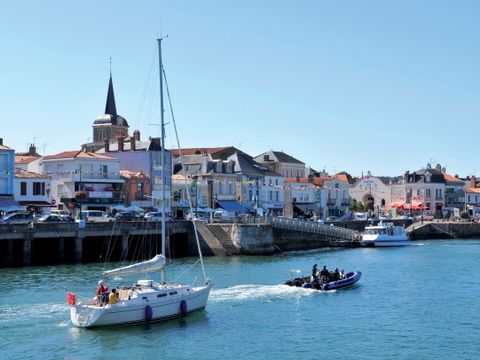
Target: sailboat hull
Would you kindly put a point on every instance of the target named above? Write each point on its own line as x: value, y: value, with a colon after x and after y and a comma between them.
x: 164, y: 304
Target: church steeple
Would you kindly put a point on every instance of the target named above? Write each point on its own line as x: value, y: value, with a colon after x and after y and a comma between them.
x: 110, y: 107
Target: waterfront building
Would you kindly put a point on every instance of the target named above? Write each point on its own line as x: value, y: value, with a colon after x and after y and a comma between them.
x: 7, y: 169
x: 299, y: 197
x: 138, y: 156
x: 22, y: 159
x: 211, y: 182
x: 283, y: 164
x: 454, y: 192
x: 332, y: 195
x: 32, y: 191
x: 258, y: 187
x: 425, y: 189
x: 137, y: 189
x: 378, y: 192
x: 7, y: 178
x: 90, y: 180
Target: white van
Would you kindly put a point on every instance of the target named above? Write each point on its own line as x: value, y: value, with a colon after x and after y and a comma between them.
x: 92, y: 215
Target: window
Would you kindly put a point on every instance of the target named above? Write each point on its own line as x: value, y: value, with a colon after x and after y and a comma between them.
x: 103, y: 171
x: 23, y: 188
x: 270, y: 195
x: 276, y: 181
x: 157, y: 182
x: 427, y: 193
x: 38, y: 188
x: 277, y: 196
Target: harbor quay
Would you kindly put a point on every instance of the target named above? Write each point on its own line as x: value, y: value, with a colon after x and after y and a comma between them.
x: 66, y: 243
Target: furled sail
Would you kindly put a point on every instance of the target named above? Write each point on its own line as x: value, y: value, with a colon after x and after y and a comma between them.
x: 155, y: 264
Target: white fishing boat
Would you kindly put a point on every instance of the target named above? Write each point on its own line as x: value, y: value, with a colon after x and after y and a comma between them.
x: 145, y: 300
x: 385, y: 234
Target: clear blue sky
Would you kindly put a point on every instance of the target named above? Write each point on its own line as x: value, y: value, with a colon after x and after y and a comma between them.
x: 384, y: 86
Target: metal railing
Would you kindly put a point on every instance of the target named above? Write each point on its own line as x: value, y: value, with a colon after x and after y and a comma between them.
x: 316, y: 228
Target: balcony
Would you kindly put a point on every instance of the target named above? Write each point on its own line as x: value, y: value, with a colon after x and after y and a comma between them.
x: 92, y: 197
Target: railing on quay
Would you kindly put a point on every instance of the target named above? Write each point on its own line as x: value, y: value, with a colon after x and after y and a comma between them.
x: 316, y: 228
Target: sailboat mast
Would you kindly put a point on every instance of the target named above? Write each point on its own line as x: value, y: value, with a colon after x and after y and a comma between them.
x: 162, y: 151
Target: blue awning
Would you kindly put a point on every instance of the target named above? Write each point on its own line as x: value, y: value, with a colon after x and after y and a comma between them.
x: 8, y: 204
x: 231, y: 205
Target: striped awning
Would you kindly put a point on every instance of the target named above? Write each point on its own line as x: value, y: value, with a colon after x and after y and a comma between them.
x: 8, y: 204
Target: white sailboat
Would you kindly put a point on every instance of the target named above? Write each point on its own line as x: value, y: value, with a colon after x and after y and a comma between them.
x: 146, y: 300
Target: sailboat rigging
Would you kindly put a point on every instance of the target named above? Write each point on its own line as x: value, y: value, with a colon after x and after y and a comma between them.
x: 146, y: 300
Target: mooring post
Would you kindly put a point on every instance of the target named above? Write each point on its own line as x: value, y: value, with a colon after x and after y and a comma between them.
x: 9, y: 257
x: 78, y: 249
x: 27, y: 252
x: 61, y: 249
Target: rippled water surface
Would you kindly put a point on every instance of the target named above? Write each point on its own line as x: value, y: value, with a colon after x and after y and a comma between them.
x: 414, y: 302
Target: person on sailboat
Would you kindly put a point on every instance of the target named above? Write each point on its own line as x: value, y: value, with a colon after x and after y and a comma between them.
x: 101, y: 290
x: 112, y: 298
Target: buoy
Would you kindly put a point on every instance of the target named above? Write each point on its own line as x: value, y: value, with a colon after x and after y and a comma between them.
x: 183, y: 308
x: 148, y: 313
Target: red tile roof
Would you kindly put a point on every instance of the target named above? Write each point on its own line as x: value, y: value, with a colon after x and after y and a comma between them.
x: 132, y: 174
x: 3, y: 147
x: 78, y: 154
x: 21, y: 159
x: 19, y: 173
x: 449, y: 177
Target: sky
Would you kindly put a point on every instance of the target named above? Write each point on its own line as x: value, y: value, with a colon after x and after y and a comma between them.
x: 357, y: 86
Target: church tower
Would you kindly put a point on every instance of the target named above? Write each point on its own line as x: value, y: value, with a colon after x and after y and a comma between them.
x: 109, y: 126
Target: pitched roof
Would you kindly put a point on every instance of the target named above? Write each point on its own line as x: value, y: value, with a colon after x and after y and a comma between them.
x: 280, y: 156
x: 197, y: 151
x: 20, y: 159
x: 449, y: 177
x: 77, y: 154
x: 296, y: 180
x: 20, y: 173
x: 133, y: 174
x: 473, y: 190
x: 3, y: 147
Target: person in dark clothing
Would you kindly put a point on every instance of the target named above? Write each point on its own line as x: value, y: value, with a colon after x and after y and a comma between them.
x: 324, y: 273
x: 336, y: 274
x: 314, y: 272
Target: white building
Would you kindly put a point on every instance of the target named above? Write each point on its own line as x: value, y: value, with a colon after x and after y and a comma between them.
x: 92, y: 180
x: 33, y: 190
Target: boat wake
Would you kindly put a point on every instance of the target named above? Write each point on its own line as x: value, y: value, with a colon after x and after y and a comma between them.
x: 260, y: 292
x: 29, y: 313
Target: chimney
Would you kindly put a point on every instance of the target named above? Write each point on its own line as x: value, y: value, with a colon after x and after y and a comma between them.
x: 133, y: 144
x: 1, y: 141
x: 438, y: 168
x: 136, y: 135
x: 32, y: 150
x: 107, y: 145
x: 120, y: 143
x: 473, y: 182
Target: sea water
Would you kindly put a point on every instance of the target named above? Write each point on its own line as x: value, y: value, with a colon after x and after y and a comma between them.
x: 417, y: 302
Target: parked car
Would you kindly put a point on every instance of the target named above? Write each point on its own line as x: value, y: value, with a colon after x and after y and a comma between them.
x: 50, y: 218
x: 17, y: 218
x: 156, y: 216
x: 64, y: 214
x: 332, y: 218
x: 127, y: 216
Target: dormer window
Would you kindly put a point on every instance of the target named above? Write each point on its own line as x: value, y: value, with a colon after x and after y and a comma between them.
x: 428, y: 177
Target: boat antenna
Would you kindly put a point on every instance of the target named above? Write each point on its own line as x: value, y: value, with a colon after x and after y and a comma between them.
x: 162, y: 152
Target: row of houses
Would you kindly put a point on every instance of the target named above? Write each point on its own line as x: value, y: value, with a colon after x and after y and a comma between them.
x: 118, y: 170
